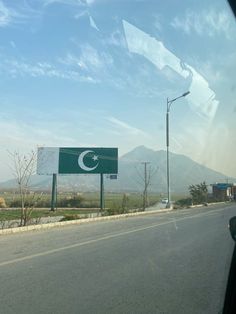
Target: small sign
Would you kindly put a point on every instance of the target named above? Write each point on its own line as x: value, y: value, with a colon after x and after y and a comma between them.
x: 113, y: 176
x: 223, y: 186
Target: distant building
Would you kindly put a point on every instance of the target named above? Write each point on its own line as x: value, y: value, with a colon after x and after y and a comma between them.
x: 224, y: 191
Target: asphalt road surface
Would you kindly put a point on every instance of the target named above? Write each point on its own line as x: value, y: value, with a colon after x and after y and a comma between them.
x: 175, y: 262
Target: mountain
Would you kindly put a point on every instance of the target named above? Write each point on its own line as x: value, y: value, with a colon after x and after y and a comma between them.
x: 183, y: 172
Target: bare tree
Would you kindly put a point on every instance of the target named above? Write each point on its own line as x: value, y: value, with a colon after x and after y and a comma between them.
x: 23, y: 167
x: 145, y: 181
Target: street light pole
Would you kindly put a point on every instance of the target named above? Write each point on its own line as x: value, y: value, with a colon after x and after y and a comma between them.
x: 167, y: 154
x: 168, y: 105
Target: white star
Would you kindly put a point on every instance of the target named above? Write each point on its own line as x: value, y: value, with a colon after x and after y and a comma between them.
x: 95, y: 157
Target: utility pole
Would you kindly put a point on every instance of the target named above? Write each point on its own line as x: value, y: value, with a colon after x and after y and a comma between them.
x: 146, y: 182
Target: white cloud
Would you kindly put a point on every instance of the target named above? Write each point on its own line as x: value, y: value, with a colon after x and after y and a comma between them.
x: 89, y: 59
x: 21, y: 13
x: 19, y: 134
x: 126, y: 127
x: 72, y: 60
x: 157, y: 22
x: 116, y: 38
x: 7, y: 15
x: 208, y: 23
x: 21, y: 68
x: 81, y: 14
x: 69, y: 2
x: 92, y: 23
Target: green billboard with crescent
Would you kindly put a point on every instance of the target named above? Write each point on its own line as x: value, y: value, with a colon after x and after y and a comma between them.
x: 77, y: 160
x: 88, y: 160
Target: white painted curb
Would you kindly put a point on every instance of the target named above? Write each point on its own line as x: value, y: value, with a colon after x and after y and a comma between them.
x: 208, y: 204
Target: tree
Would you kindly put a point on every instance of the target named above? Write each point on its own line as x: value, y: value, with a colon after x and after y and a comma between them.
x: 145, y: 179
x: 23, y: 167
x: 198, y: 192
x: 124, y: 204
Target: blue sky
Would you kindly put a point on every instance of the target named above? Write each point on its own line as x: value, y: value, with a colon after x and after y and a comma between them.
x: 98, y: 72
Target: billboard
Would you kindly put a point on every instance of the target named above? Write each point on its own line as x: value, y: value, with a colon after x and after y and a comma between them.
x: 77, y: 160
x: 223, y: 186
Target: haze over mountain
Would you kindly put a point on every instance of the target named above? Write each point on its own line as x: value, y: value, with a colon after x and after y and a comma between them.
x: 183, y: 172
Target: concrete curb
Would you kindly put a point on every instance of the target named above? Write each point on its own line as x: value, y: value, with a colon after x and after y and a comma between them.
x: 77, y: 222
x: 208, y: 204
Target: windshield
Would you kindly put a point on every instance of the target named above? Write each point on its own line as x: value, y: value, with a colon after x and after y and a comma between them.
x: 114, y: 107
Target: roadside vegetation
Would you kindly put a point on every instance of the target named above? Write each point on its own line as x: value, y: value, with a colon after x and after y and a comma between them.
x: 198, y: 195
x: 70, y: 205
x: 23, y: 166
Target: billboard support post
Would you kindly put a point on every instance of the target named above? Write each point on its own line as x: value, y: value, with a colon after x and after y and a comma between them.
x: 54, y: 192
x: 101, y: 192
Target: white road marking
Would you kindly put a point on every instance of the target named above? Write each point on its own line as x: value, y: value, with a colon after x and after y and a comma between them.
x: 111, y: 236
x: 175, y: 224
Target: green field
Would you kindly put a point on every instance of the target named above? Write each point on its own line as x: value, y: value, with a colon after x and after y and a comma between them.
x: 15, y: 214
x: 74, y: 204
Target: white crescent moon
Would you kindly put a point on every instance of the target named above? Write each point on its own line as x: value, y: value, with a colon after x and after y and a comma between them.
x: 81, y: 161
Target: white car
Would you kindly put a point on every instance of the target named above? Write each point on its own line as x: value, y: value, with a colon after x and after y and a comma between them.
x: 164, y: 201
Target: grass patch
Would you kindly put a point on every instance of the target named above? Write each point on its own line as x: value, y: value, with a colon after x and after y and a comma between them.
x: 81, y: 200
x: 14, y: 214
x: 75, y: 204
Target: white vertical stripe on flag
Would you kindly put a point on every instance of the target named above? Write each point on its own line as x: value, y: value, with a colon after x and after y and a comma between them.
x: 47, y: 160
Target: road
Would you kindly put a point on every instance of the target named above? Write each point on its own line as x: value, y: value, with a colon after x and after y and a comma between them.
x: 174, y: 262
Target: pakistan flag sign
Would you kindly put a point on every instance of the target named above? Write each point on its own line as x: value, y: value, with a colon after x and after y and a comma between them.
x: 75, y: 160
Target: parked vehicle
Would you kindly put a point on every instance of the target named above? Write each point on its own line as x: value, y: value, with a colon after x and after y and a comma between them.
x: 164, y: 201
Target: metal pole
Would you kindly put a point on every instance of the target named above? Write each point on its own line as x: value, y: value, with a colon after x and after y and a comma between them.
x: 145, y: 163
x: 101, y: 192
x: 145, y: 178
x: 168, y: 105
x: 167, y: 157
x: 54, y: 191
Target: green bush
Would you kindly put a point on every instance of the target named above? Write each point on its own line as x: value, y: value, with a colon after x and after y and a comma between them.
x: 17, y: 203
x: 184, y: 202
x: 44, y: 203
x: 198, y: 193
x: 89, y: 204
x: 74, y: 201
x: 116, y: 208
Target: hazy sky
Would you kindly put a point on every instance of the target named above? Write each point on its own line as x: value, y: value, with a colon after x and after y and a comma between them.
x: 98, y: 73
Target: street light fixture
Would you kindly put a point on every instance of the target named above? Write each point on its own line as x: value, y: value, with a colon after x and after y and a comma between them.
x: 169, y: 103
